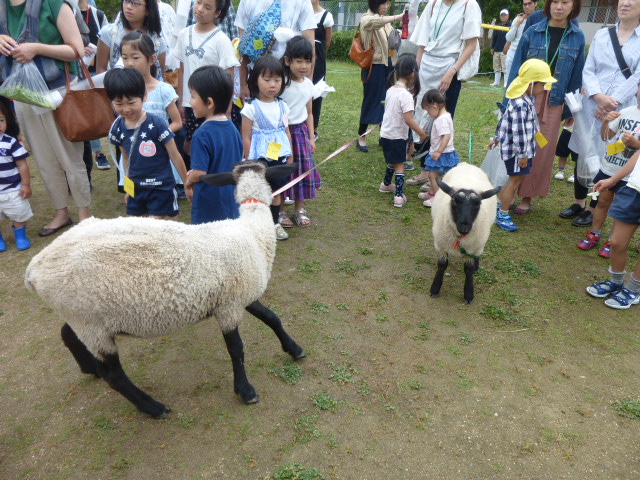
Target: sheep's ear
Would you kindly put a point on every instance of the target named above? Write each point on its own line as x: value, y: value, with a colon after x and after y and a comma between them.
x: 444, y: 187
x: 218, y: 179
x: 490, y: 193
x: 280, y: 171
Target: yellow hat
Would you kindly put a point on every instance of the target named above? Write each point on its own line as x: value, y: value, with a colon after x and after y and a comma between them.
x: 533, y: 70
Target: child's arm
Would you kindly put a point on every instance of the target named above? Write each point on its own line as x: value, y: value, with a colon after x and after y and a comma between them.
x: 444, y: 141
x: 619, y: 175
x: 413, y: 125
x: 312, y: 138
x: 290, y: 159
x: 630, y: 140
x: 605, y: 132
x: 25, y: 178
x: 247, y: 131
x: 174, y: 115
x: 180, y: 90
x: 176, y: 159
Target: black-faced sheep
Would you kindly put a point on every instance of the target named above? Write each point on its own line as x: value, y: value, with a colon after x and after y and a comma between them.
x: 463, y: 211
x: 155, y: 277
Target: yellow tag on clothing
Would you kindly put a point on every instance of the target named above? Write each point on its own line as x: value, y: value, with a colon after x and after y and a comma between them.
x: 615, y: 147
x: 258, y: 44
x: 129, y: 187
x: 273, y: 152
x: 541, y: 139
x: 239, y: 103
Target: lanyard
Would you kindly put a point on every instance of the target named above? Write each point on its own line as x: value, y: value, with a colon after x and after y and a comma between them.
x: 555, y: 55
x: 437, y: 29
x: 88, y: 10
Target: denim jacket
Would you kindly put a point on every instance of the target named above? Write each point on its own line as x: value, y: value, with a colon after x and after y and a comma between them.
x: 569, y: 65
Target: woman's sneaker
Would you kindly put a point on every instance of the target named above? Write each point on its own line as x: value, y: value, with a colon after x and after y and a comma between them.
x: 590, y: 241
x: 101, y: 162
x: 603, y: 289
x: 605, y: 252
x: 623, y: 299
x: 280, y: 233
x: 505, y: 222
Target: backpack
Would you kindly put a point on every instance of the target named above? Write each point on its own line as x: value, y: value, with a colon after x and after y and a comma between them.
x: 258, y: 39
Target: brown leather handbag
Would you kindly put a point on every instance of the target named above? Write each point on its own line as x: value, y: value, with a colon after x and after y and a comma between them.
x: 84, y: 114
x: 360, y: 55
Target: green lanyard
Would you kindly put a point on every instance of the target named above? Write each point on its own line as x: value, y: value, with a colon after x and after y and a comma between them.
x: 555, y: 55
x: 437, y: 29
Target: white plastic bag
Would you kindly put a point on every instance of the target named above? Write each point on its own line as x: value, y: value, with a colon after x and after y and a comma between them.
x: 494, y: 167
x: 588, y: 160
x: 26, y: 85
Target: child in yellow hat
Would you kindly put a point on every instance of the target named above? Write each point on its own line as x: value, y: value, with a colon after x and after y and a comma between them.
x: 518, y: 131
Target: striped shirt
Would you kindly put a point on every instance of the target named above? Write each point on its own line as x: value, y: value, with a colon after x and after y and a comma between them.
x: 517, y: 129
x: 10, y: 151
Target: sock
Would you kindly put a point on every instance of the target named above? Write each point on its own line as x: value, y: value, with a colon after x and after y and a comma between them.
x: 275, y: 211
x: 504, y: 212
x: 388, y: 175
x: 633, y: 284
x: 399, y: 184
x: 498, y: 77
x: 597, y: 232
x: 617, y: 277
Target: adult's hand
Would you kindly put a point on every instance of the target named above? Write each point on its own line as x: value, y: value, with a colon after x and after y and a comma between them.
x: 445, y: 83
x: 7, y: 44
x: 605, y: 102
x: 25, y: 52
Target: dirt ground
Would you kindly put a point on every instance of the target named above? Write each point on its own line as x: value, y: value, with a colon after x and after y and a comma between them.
x: 518, y: 385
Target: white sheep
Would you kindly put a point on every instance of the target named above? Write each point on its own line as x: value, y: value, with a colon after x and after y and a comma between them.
x: 147, y: 277
x: 463, y: 211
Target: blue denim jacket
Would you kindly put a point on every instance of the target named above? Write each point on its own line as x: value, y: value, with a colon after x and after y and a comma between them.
x: 568, y: 66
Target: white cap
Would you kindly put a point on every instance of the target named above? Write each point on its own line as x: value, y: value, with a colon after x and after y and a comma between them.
x: 503, y: 11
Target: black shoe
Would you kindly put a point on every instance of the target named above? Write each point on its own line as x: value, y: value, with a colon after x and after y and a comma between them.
x: 572, y: 211
x: 583, y: 220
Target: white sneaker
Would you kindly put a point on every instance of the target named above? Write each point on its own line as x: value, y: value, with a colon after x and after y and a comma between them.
x: 280, y: 233
x: 399, y: 201
x: 288, y: 201
x: 428, y: 202
x: 571, y: 179
x: 494, y: 84
x: 559, y: 175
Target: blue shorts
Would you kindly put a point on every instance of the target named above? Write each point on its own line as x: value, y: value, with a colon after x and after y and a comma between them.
x: 510, y: 165
x: 159, y: 203
x: 603, y: 176
x: 626, y: 206
x: 395, y: 151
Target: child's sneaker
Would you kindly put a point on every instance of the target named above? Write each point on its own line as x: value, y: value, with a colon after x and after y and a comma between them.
x: 623, y: 299
x: 408, y: 166
x: 428, y: 202
x: 3, y: 245
x: 559, y: 175
x: 425, y: 195
x: 280, y: 233
x: 391, y: 188
x: 288, y: 201
x: 603, y: 289
x: 590, y: 241
x: 605, y: 252
x: 505, y: 222
x: 101, y: 162
x: 571, y: 179
x: 399, y: 201
x: 426, y: 187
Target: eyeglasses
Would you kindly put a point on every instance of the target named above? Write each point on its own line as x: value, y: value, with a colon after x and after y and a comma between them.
x: 134, y: 4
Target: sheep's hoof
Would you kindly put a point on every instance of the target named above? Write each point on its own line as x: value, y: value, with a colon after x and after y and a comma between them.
x: 159, y: 411
x: 434, y: 294
x: 299, y: 355
x: 468, y: 301
x: 254, y: 399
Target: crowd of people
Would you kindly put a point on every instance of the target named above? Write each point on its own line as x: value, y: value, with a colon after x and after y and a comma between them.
x: 196, y: 98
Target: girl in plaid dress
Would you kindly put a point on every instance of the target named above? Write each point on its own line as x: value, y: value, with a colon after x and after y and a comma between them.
x: 298, y: 94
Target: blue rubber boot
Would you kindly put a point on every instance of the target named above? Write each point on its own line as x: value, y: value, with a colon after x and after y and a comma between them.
x: 3, y: 245
x: 22, y: 242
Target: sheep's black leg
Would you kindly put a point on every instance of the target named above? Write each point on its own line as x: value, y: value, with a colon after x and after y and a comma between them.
x: 241, y: 384
x: 443, y: 263
x: 86, y: 360
x: 469, y: 270
x: 111, y: 370
x: 270, y: 319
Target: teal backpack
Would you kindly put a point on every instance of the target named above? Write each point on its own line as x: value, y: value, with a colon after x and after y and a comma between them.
x: 258, y: 38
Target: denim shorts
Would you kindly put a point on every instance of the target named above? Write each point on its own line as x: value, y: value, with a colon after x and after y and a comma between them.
x: 159, y: 203
x: 626, y: 206
x: 603, y: 176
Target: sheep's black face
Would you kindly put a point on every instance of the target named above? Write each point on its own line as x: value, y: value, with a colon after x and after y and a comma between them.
x: 465, y: 205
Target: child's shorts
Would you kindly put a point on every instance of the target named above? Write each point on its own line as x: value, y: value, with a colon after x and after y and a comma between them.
x: 626, y: 206
x: 445, y: 163
x: 279, y: 182
x: 510, y: 165
x: 159, y: 203
x: 14, y: 207
x: 603, y: 176
x: 395, y: 151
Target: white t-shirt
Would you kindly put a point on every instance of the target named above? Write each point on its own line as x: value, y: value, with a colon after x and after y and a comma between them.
x: 270, y: 110
x: 628, y: 121
x: 218, y: 50
x: 297, y: 15
x: 398, y: 101
x: 446, y: 27
x: 328, y: 20
x: 442, y: 125
x: 297, y: 95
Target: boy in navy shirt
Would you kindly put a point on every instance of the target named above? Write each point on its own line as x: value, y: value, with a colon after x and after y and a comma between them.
x: 147, y: 147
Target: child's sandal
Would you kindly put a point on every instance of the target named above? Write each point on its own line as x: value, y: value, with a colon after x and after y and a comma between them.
x: 284, y: 220
x: 300, y: 216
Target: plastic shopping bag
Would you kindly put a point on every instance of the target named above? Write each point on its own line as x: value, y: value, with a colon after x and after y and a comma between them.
x: 25, y: 84
x: 494, y: 167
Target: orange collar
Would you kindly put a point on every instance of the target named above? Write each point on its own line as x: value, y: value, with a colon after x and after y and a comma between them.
x: 251, y: 200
